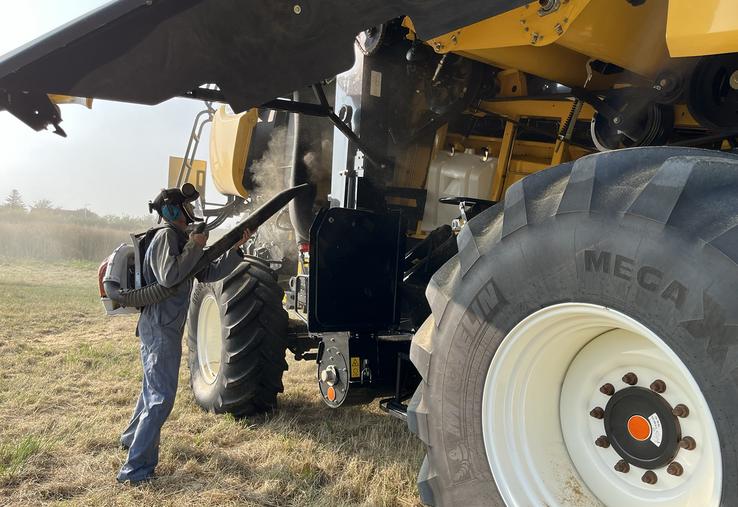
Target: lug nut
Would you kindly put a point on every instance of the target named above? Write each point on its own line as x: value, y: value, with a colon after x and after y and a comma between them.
x: 622, y: 466
x: 630, y: 378
x: 675, y: 468
x: 687, y: 443
x: 602, y: 441
x: 680, y: 410
x: 658, y: 386
x: 608, y: 389
x: 649, y: 477
x: 597, y: 413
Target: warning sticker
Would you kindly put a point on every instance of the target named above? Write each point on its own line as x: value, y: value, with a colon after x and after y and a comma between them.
x: 355, y: 370
x: 375, y: 85
x: 657, y: 432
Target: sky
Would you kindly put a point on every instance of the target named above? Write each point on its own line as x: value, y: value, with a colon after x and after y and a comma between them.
x: 115, y: 158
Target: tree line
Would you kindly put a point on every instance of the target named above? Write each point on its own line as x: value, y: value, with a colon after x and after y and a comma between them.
x: 45, y: 210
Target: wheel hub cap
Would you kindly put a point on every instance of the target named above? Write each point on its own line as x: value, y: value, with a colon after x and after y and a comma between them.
x: 641, y: 428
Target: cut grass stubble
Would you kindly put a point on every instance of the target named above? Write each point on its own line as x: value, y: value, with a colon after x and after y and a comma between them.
x: 69, y: 377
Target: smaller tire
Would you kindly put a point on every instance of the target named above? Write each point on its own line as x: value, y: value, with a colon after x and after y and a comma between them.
x: 237, y: 338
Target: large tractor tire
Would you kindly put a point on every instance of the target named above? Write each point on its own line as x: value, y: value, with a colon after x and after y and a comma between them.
x: 237, y: 338
x: 583, y: 344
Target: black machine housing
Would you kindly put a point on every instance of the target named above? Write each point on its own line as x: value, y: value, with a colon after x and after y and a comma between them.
x: 364, y: 291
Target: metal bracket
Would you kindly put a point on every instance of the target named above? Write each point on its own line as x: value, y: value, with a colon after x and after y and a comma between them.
x: 548, y: 7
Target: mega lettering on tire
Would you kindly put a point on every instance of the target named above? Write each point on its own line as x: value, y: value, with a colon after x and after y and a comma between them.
x: 597, y: 291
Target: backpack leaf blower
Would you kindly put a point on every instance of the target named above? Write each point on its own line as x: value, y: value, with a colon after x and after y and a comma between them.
x: 121, y: 299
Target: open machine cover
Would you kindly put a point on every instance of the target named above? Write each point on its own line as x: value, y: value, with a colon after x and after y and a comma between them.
x: 147, y: 51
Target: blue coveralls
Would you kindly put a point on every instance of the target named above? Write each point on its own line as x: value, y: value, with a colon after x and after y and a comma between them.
x: 168, y: 260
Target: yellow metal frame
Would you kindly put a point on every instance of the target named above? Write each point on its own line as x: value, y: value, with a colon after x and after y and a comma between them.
x: 644, y: 39
x: 704, y: 27
x: 67, y: 99
x: 516, y: 158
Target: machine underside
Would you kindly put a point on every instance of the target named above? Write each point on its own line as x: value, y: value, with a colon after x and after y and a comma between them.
x: 442, y: 103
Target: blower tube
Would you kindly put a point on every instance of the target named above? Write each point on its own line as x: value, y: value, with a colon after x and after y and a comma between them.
x: 156, y: 293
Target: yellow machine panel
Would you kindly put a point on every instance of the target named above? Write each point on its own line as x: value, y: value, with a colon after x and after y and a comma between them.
x: 704, y: 27
x: 558, y: 44
x: 66, y: 99
x: 197, y: 174
x: 230, y: 139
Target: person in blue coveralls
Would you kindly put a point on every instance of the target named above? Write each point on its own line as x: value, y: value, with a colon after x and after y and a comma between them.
x: 170, y: 256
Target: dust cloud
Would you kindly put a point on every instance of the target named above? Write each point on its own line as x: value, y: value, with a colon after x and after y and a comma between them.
x: 271, y: 175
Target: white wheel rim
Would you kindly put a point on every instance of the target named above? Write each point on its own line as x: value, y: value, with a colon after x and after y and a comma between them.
x: 209, y: 341
x: 541, y: 385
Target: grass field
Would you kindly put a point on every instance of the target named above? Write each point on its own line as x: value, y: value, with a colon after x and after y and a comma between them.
x: 69, y: 377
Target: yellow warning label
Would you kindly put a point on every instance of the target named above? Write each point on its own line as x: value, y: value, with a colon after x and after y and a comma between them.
x: 355, y: 371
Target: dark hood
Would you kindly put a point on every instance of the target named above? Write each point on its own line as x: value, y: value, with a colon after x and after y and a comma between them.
x: 147, y: 51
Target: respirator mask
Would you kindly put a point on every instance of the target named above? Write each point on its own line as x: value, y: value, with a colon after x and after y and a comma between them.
x: 172, y: 203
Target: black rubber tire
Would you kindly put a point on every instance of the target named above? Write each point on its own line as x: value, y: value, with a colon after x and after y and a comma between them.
x: 673, y: 209
x: 254, y: 334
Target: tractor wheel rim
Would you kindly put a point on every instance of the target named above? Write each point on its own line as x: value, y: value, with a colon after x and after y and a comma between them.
x: 209, y: 340
x: 539, y: 435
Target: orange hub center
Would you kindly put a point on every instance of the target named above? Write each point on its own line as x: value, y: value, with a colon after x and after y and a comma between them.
x: 331, y: 393
x: 639, y: 428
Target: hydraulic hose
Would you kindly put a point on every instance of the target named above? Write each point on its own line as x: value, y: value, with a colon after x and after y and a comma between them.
x: 156, y: 293
x: 308, y: 131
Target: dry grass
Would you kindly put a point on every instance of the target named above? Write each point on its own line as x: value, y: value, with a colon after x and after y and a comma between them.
x: 30, y: 239
x: 69, y: 377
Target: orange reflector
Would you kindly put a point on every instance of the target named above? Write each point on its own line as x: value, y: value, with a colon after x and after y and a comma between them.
x: 331, y: 394
x: 639, y: 428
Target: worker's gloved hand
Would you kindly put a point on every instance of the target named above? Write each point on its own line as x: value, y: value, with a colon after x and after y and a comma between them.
x: 246, y: 235
x: 200, y: 239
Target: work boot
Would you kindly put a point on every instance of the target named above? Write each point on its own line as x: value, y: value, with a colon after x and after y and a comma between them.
x: 132, y: 483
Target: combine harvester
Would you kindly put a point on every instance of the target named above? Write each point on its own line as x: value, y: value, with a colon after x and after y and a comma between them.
x: 521, y: 223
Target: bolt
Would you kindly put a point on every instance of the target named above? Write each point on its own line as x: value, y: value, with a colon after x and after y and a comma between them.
x: 607, y: 389
x: 630, y: 378
x: 597, y: 413
x: 602, y: 441
x: 454, y: 39
x: 617, y: 120
x: 535, y: 38
x: 622, y: 466
x: 649, y: 477
x: 687, y: 443
x: 438, y: 46
x: 675, y: 468
x: 558, y: 28
x: 547, y: 6
x: 734, y: 80
x: 680, y: 410
x: 658, y: 386
x: 297, y: 9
